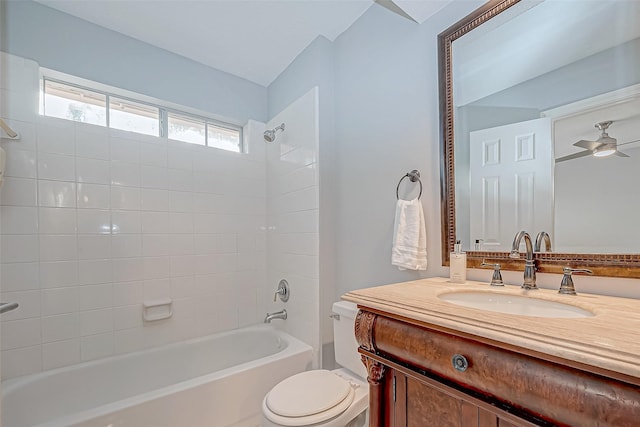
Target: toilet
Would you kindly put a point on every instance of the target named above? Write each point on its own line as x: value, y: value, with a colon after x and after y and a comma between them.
x: 323, y: 398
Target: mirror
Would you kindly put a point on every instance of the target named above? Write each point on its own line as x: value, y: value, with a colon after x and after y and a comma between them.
x: 526, y: 91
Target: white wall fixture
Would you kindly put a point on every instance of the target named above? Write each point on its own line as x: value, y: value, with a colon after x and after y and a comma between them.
x: 7, y: 129
x: 10, y: 134
x: 3, y: 163
x: 158, y: 309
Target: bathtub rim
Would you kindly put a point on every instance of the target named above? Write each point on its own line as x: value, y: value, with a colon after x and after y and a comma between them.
x: 293, y: 347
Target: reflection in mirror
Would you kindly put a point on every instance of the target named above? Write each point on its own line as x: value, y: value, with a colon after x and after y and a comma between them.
x: 527, y: 92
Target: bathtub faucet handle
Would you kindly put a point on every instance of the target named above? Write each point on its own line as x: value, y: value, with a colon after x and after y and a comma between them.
x: 283, y: 291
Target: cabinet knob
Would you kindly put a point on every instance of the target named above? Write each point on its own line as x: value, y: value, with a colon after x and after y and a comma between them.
x: 459, y: 362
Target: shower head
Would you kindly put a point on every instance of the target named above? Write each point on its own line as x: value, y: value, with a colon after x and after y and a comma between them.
x: 270, y: 135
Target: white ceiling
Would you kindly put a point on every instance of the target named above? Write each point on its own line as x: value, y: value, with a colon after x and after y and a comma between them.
x: 253, y: 39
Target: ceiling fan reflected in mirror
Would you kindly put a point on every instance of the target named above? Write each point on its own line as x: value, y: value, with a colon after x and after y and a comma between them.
x: 602, y: 147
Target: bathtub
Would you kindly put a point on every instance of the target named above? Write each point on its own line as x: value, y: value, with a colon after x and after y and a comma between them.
x: 214, y: 381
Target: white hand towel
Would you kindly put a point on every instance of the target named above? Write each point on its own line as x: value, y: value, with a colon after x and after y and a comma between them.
x: 409, y: 250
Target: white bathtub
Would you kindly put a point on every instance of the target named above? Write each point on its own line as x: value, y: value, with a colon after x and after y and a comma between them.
x: 213, y: 381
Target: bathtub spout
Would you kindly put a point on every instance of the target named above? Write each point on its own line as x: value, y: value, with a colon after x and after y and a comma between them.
x: 282, y: 314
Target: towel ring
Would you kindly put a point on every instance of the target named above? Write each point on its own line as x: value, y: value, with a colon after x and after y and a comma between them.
x: 413, y: 176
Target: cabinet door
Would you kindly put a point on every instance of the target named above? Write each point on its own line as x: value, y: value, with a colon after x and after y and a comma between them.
x: 424, y: 404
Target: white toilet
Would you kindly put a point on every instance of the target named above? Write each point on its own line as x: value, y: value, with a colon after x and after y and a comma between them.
x: 321, y: 398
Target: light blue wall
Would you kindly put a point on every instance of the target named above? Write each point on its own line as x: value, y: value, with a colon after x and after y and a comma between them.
x: 385, y: 104
x: 387, y: 124
x: 606, y: 71
x: 70, y: 45
x: 385, y: 129
x: 313, y: 67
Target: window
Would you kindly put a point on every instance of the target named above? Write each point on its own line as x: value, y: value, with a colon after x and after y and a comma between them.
x: 98, y: 107
x: 224, y: 138
x: 201, y: 132
x: 186, y: 129
x: 134, y: 117
x: 74, y: 103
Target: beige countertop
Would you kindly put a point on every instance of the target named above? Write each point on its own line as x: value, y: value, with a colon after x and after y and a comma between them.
x: 608, y: 340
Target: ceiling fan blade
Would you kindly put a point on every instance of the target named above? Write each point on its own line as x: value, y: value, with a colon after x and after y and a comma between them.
x: 620, y: 154
x: 629, y: 142
x: 588, y: 145
x: 573, y: 156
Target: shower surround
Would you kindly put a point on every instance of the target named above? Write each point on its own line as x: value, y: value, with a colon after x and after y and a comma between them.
x: 96, y: 221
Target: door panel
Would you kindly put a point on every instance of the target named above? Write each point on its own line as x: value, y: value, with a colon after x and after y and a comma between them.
x: 429, y: 407
x: 511, y: 182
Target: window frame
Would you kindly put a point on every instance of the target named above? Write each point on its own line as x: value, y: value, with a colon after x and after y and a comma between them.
x: 164, y: 109
x: 43, y: 100
x: 208, y: 121
x: 132, y: 101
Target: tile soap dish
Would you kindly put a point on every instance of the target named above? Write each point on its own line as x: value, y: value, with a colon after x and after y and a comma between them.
x: 157, y: 309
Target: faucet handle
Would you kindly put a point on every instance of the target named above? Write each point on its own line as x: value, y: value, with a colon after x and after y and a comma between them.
x: 496, y: 279
x: 283, y: 291
x: 569, y: 270
x: 566, y: 285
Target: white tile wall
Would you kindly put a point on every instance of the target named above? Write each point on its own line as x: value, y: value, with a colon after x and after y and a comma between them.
x: 94, y: 221
x: 92, y: 171
x: 56, y: 194
x: 19, y: 192
x: 56, y: 274
x: 19, y: 276
x: 23, y: 163
x: 293, y: 235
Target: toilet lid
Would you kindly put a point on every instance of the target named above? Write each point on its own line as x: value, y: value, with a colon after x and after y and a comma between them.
x: 308, y: 393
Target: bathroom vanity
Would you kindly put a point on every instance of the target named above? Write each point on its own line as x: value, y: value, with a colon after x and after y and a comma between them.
x: 443, y: 354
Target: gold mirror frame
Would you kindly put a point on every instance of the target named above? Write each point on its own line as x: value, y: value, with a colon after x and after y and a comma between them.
x: 612, y: 265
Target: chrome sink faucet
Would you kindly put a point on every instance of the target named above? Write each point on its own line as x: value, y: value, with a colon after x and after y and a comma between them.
x: 542, y: 236
x: 529, y: 263
x: 282, y: 314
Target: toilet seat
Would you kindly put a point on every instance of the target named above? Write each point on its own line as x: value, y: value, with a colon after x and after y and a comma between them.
x: 308, y: 398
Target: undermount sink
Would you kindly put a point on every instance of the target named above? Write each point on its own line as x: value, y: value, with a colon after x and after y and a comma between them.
x: 515, y: 304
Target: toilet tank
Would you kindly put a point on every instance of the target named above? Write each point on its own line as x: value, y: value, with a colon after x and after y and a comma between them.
x: 346, y: 346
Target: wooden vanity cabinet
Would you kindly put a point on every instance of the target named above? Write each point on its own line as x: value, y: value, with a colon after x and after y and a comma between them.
x: 417, y: 402
x: 414, y: 383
